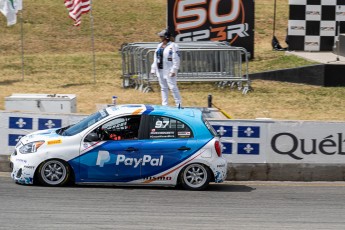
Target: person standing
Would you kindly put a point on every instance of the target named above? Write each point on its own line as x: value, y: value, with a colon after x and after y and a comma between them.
x: 165, y: 65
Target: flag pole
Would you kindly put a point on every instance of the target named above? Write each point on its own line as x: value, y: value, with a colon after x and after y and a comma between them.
x: 92, y: 44
x: 274, y: 18
x: 22, y: 42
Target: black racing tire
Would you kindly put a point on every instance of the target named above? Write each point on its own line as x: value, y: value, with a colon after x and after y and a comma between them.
x: 54, y: 172
x: 195, y: 177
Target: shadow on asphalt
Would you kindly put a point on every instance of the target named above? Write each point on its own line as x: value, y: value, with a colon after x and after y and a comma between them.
x: 210, y: 188
x: 229, y: 188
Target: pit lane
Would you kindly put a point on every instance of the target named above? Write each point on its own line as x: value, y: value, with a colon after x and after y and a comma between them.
x: 232, y: 205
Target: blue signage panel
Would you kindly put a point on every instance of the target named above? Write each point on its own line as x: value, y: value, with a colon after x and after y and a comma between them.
x: 20, y: 123
x: 223, y: 130
x: 46, y: 123
x: 227, y: 148
x: 14, y: 138
x: 248, y: 148
x: 249, y: 131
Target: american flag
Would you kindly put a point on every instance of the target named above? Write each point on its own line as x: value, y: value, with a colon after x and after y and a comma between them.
x: 76, y: 8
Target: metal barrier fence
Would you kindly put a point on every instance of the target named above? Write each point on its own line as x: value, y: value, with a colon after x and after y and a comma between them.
x: 200, y: 62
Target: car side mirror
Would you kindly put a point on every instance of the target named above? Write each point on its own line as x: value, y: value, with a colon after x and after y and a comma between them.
x: 91, y: 137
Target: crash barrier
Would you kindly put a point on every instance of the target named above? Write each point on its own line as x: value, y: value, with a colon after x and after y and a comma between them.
x: 255, y: 149
x: 200, y: 62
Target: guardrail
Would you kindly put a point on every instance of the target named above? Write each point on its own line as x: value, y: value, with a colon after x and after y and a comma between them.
x: 200, y: 62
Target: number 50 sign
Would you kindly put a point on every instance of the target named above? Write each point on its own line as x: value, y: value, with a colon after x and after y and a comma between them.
x: 215, y: 20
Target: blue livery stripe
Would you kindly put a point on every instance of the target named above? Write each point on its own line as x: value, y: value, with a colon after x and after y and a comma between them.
x: 149, y: 109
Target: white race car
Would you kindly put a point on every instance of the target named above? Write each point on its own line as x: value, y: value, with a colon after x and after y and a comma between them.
x: 125, y: 144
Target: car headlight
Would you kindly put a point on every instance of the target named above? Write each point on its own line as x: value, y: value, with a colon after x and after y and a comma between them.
x: 31, y: 147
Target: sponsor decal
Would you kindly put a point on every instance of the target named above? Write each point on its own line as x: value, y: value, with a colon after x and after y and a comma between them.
x: 54, y: 142
x: 29, y: 167
x: 162, y: 133
x: 183, y: 133
x: 135, y: 162
x: 310, y: 12
x: 298, y: 148
x: 311, y: 43
x: 297, y: 28
x: 329, y: 28
x: 153, y: 178
x: 104, y: 157
x: 21, y: 160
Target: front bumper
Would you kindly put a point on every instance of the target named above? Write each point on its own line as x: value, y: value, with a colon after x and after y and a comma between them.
x: 22, y: 170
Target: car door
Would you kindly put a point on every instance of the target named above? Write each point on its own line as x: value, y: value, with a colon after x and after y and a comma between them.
x: 116, y: 156
x: 168, y: 143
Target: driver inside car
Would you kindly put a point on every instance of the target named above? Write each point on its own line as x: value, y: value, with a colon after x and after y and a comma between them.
x: 120, y: 129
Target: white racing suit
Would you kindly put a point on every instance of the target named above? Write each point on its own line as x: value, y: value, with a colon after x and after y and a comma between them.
x: 171, y: 64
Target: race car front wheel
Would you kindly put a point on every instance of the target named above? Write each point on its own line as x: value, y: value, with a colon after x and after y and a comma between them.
x: 54, y: 173
x: 195, y: 177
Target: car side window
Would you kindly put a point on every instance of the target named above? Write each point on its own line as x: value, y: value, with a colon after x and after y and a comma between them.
x: 161, y: 127
x: 121, y: 128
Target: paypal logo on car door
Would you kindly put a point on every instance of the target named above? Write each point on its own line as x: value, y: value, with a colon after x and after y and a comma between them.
x: 99, y: 164
x: 128, y: 160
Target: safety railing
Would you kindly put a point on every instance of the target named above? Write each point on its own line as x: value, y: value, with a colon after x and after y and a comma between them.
x: 200, y: 62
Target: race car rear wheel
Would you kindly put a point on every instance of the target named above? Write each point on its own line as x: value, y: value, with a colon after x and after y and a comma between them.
x: 54, y: 173
x: 195, y: 177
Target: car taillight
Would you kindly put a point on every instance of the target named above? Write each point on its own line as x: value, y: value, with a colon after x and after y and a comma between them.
x: 218, y: 146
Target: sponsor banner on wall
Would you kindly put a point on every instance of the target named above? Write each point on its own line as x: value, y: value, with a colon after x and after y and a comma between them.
x: 306, y: 142
x: 213, y: 20
x: 282, y: 141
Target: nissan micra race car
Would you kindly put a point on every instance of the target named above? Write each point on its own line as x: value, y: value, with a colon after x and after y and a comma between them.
x: 124, y: 145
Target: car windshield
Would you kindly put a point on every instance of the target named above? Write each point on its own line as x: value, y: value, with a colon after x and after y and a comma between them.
x: 83, y: 124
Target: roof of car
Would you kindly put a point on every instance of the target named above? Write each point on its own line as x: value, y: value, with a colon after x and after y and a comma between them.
x: 155, y: 109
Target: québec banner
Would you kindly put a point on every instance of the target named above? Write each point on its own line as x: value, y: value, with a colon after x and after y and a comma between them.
x: 213, y: 20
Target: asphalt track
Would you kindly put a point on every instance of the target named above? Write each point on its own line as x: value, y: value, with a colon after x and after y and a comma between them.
x: 232, y: 205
